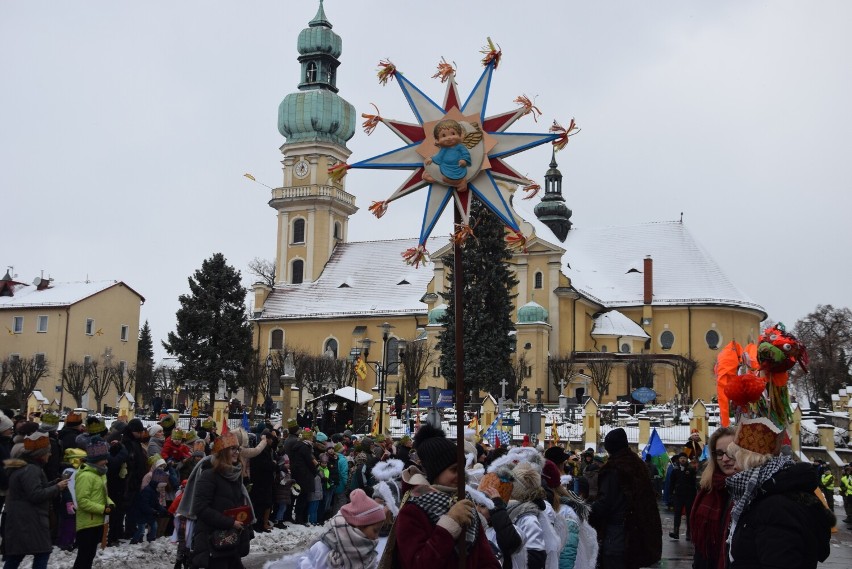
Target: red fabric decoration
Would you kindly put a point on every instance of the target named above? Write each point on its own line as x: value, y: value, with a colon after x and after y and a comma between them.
x: 745, y: 389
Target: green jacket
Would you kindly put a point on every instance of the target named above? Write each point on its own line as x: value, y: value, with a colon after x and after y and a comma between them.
x: 91, y: 493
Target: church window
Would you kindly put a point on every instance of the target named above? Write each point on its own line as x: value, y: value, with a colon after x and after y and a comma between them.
x: 667, y: 340
x: 539, y: 280
x: 625, y: 348
x: 393, y: 356
x: 330, y: 348
x: 338, y: 231
x: 276, y: 340
x: 604, y: 349
x: 299, y: 231
x: 311, y: 72
x: 712, y: 339
x: 297, y: 272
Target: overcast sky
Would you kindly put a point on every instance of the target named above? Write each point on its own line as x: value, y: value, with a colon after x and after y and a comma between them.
x: 126, y: 127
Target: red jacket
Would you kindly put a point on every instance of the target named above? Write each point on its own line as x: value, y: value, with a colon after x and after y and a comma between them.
x: 175, y: 451
x: 432, y: 547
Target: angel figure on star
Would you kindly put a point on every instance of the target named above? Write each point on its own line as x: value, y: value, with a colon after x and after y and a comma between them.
x: 453, y: 158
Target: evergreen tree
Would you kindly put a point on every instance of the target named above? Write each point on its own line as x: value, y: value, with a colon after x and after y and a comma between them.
x: 488, y: 283
x: 213, y: 337
x: 145, y: 365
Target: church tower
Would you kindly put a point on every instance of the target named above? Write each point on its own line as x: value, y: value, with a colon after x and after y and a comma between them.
x: 313, y: 211
x: 551, y: 210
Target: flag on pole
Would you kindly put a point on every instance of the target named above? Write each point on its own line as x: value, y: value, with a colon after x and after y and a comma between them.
x: 245, y: 421
x: 554, y: 434
x: 360, y: 368
x: 225, y: 430
x: 375, y: 430
x: 655, y: 446
x: 705, y: 454
x: 490, y: 433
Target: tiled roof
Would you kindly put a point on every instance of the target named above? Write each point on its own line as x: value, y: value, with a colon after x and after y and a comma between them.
x: 605, y: 264
x: 614, y: 323
x: 58, y: 294
x: 378, y: 282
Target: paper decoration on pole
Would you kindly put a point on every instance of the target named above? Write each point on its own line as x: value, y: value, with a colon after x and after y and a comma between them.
x: 472, y: 148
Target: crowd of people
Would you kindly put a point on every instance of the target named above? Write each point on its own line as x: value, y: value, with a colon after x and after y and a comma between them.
x: 393, y: 503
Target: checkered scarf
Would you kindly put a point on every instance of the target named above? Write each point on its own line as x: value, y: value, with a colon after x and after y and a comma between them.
x: 350, y: 548
x: 437, y: 501
x: 745, y: 486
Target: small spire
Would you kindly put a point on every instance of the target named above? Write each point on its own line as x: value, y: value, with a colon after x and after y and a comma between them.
x: 553, y: 163
x: 320, y: 19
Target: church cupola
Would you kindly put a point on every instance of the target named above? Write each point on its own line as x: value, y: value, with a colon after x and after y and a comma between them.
x: 551, y: 210
x: 316, y: 112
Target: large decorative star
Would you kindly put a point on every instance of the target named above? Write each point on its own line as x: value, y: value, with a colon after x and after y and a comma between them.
x: 496, y: 145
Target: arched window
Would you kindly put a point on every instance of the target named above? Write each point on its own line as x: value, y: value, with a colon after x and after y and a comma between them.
x: 625, y: 348
x: 311, y: 72
x: 330, y: 348
x: 712, y: 339
x: 276, y: 340
x: 604, y: 349
x: 667, y: 340
x: 393, y: 356
x: 297, y: 271
x: 299, y: 230
x: 338, y: 230
x: 539, y: 280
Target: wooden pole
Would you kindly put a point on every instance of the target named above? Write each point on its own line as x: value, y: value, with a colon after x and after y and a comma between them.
x: 458, y: 299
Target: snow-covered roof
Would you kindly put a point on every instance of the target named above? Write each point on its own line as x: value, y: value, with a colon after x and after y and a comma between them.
x: 614, y: 323
x: 377, y: 281
x: 605, y: 264
x: 58, y: 294
x: 40, y: 397
x: 350, y: 392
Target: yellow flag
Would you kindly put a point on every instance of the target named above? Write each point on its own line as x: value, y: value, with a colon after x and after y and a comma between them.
x: 360, y: 368
x: 554, y: 434
x: 474, y: 424
x: 250, y: 177
x: 375, y: 430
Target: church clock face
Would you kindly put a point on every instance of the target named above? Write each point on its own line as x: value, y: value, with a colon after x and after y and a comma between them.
x: 301, y: 169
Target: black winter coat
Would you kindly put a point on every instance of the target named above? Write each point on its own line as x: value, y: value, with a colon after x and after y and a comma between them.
x: 68, y: 437
x: 301, y: 462
x: 786, y: 525
x: 27, y: 505
x: 213, y: 495
x: 508, y: 538
x: 263, y: 471
x: 684, y: 482
x: 137, y: 465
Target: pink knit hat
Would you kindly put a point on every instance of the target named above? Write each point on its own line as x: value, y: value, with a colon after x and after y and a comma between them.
x: 362, y: 510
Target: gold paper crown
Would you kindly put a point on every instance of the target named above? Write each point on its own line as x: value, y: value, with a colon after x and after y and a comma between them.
x: 759, y: 435
x: 36, y: 441
x: 225, y: 441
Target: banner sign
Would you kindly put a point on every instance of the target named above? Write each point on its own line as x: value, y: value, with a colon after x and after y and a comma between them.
x: 445, y: 398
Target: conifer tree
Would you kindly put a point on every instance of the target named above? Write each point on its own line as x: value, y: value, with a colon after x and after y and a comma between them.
x: 488, y: 284
x: 212, y: 341
x: 145, y: 365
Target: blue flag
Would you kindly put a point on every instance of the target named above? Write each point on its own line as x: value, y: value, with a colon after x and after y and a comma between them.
x: 245, y: 421
x: 655, y: 446
x: 705, y: 453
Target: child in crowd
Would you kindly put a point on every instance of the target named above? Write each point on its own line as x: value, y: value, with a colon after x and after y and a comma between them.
x: 350, y: 540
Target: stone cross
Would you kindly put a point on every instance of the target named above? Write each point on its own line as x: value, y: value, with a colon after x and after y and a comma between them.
x: 538, y: 393
x: 525, y: 390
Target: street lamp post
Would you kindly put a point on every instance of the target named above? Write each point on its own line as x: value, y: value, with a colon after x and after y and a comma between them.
x: 381, y: 368
x: 266, y: 405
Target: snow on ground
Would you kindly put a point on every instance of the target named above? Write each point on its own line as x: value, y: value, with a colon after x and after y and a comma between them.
x: 161, y: 554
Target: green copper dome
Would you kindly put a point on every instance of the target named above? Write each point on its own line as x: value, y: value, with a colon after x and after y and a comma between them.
x: 436, y: 314
x: 531, y: 312
x: 316, y: 112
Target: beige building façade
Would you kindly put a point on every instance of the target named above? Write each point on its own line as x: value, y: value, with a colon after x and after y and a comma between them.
x: 64, y: 322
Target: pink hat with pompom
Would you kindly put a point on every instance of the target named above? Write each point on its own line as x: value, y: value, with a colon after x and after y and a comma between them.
x: 362, y: 510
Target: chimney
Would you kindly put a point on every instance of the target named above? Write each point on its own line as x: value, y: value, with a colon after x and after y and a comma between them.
x: 648, y: 270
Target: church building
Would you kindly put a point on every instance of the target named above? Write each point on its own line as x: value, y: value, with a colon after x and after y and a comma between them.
x: 582, y: 293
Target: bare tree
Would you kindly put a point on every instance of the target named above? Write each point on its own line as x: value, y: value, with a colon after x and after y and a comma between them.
x: 123, y: 378
x: 600, y: 370
x: 640, y: 371
x: 684, y: 370
x: 416, y: 360
x: 24, y: 374
x: 166, y: 379
x: 341, y: 373
x: 5, y: 373
x: 75, y: 379
x: 315, y: 373
x: 100, y: 380
x: 264, y: 269
x: 827, y: 334
x: 254, y: 377
x: 562, y: 371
